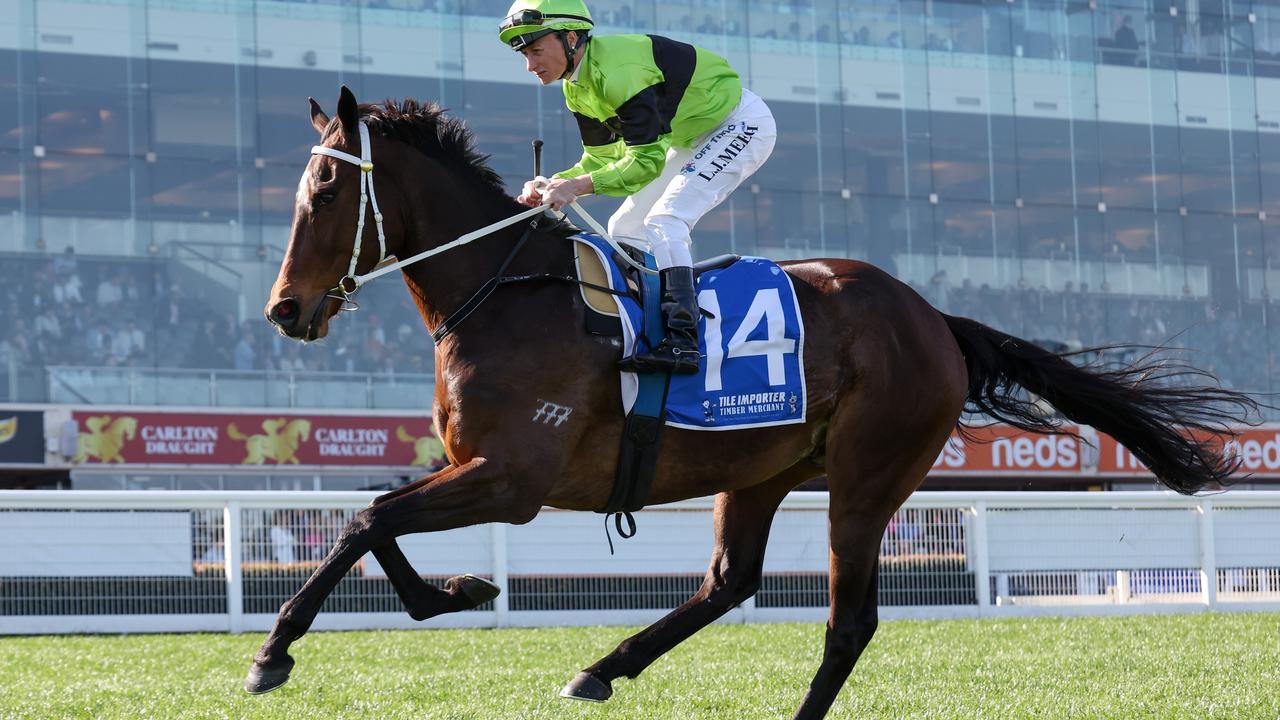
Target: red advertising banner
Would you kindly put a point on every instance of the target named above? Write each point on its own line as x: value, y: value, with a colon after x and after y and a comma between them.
x: 158, y: 438
x: 1008, y: 451
x: 1257, y: 449
x: 177, y: 438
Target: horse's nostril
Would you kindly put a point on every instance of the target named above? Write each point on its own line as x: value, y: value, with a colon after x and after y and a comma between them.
x: 286, y: 309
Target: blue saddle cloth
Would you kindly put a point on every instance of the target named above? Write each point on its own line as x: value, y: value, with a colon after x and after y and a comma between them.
x: 751, y: 337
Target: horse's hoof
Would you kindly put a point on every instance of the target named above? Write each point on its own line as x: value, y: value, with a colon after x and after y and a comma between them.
x: 477, y: 590
x: 586, y: 686
x: 263, y: 680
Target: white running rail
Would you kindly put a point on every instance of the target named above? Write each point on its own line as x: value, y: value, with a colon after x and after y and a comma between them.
x: 141, y: 561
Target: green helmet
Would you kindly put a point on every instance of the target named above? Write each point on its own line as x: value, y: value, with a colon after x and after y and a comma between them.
x: 528, y: 20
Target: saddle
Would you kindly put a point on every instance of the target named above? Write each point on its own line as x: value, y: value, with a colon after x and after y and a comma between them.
x: 602, y: 313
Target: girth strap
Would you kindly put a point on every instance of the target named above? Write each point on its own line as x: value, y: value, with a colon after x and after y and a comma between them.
x: 642, y: 431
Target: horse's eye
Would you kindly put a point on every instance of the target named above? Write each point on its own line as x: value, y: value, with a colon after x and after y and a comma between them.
x: 321, y: 198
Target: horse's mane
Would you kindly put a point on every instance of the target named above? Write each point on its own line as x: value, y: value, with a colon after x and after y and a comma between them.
x: 429, y: 129
x: 425, y: 126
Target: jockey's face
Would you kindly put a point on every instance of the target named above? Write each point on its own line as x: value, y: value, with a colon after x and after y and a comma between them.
x: 545, y: 57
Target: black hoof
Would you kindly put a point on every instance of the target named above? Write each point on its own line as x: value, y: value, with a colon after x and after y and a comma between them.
x: 477, y: 590
x: 586, y: 686
x: 263, y: 680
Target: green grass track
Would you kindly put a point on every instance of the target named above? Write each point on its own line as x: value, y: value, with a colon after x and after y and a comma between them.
x: 1162, y: 667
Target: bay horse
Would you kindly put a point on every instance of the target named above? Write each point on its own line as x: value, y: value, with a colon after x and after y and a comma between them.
x: 887, y: 379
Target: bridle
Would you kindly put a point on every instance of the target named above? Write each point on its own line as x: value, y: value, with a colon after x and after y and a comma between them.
x: 347, y: 286
x: 367, y: 195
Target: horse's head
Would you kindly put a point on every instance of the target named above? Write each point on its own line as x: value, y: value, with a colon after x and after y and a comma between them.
x: 128, y: 426
x: 327, y: 212
x: 430, y: 186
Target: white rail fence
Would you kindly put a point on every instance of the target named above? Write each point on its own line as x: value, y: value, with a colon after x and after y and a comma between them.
x: 138, y: 561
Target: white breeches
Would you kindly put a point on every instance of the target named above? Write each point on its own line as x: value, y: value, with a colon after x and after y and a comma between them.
x: 660, y: 217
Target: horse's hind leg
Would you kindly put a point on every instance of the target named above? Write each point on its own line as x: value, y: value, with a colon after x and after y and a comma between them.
x: 854, y: 579
x: 742, y: 519
x: 870, y: 472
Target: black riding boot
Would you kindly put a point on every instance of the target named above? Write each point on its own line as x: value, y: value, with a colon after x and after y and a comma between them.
x: 678, y: 351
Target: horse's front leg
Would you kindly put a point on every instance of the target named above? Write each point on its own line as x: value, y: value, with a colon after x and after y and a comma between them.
x: 481, y: 491
x: 423, y: 600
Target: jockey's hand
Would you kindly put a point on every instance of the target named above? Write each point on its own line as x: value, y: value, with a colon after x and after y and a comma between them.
x: 562, y: 191
x: 530, y: 195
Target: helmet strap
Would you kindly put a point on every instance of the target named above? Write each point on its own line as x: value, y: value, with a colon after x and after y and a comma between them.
x: 569, y: 52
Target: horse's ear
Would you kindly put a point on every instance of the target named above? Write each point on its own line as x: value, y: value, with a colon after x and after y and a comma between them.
x: 319, y: 120
x: 348, y: 113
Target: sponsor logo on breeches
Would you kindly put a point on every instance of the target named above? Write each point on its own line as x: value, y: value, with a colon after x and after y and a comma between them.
x: 725, y: 157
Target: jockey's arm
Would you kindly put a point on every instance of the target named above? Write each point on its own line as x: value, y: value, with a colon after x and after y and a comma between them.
x: 622, y: 166
x: 600, y: 146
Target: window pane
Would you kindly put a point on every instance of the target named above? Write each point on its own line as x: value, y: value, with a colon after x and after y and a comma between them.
x: 961, y: 156
x: 193, y: 110
x: 1269, y: 159
x: 284, y: 122
x: 194, y: 189
x: 1206, y: 164
x: 83, y: 103
x: 9, y: 89
x: 1126, y: 165
x: 874, y: 148
x: 10, y: 181
x: 85, y: 184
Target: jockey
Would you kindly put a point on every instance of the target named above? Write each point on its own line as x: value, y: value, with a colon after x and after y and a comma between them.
x: 665, y: 124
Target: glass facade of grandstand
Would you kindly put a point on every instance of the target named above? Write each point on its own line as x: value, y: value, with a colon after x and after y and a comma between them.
x: 1075, y: 171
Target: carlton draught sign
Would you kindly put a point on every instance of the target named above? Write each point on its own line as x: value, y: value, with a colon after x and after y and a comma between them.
x: 145, y: 438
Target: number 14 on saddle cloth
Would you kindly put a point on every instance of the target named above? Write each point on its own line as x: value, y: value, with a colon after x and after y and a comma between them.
x: 752, y: 342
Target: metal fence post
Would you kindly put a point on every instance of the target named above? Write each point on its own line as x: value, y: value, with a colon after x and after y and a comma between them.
x: 981, y: 560
x: 1124, y: 587
x: 1208, y: 556
x: 234, y: 568
x: 502, y: 603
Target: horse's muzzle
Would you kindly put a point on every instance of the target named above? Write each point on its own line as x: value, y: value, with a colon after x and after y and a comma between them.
x: 284, y: 315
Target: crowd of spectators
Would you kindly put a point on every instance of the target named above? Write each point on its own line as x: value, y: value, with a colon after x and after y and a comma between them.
x: 110, y: 312
x: 1224, y: 338
x: 1203, y: 42
x: 136, y: 312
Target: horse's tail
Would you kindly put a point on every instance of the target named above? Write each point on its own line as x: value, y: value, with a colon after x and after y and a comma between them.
x: 234, y: 433
x: 1143, y: 406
